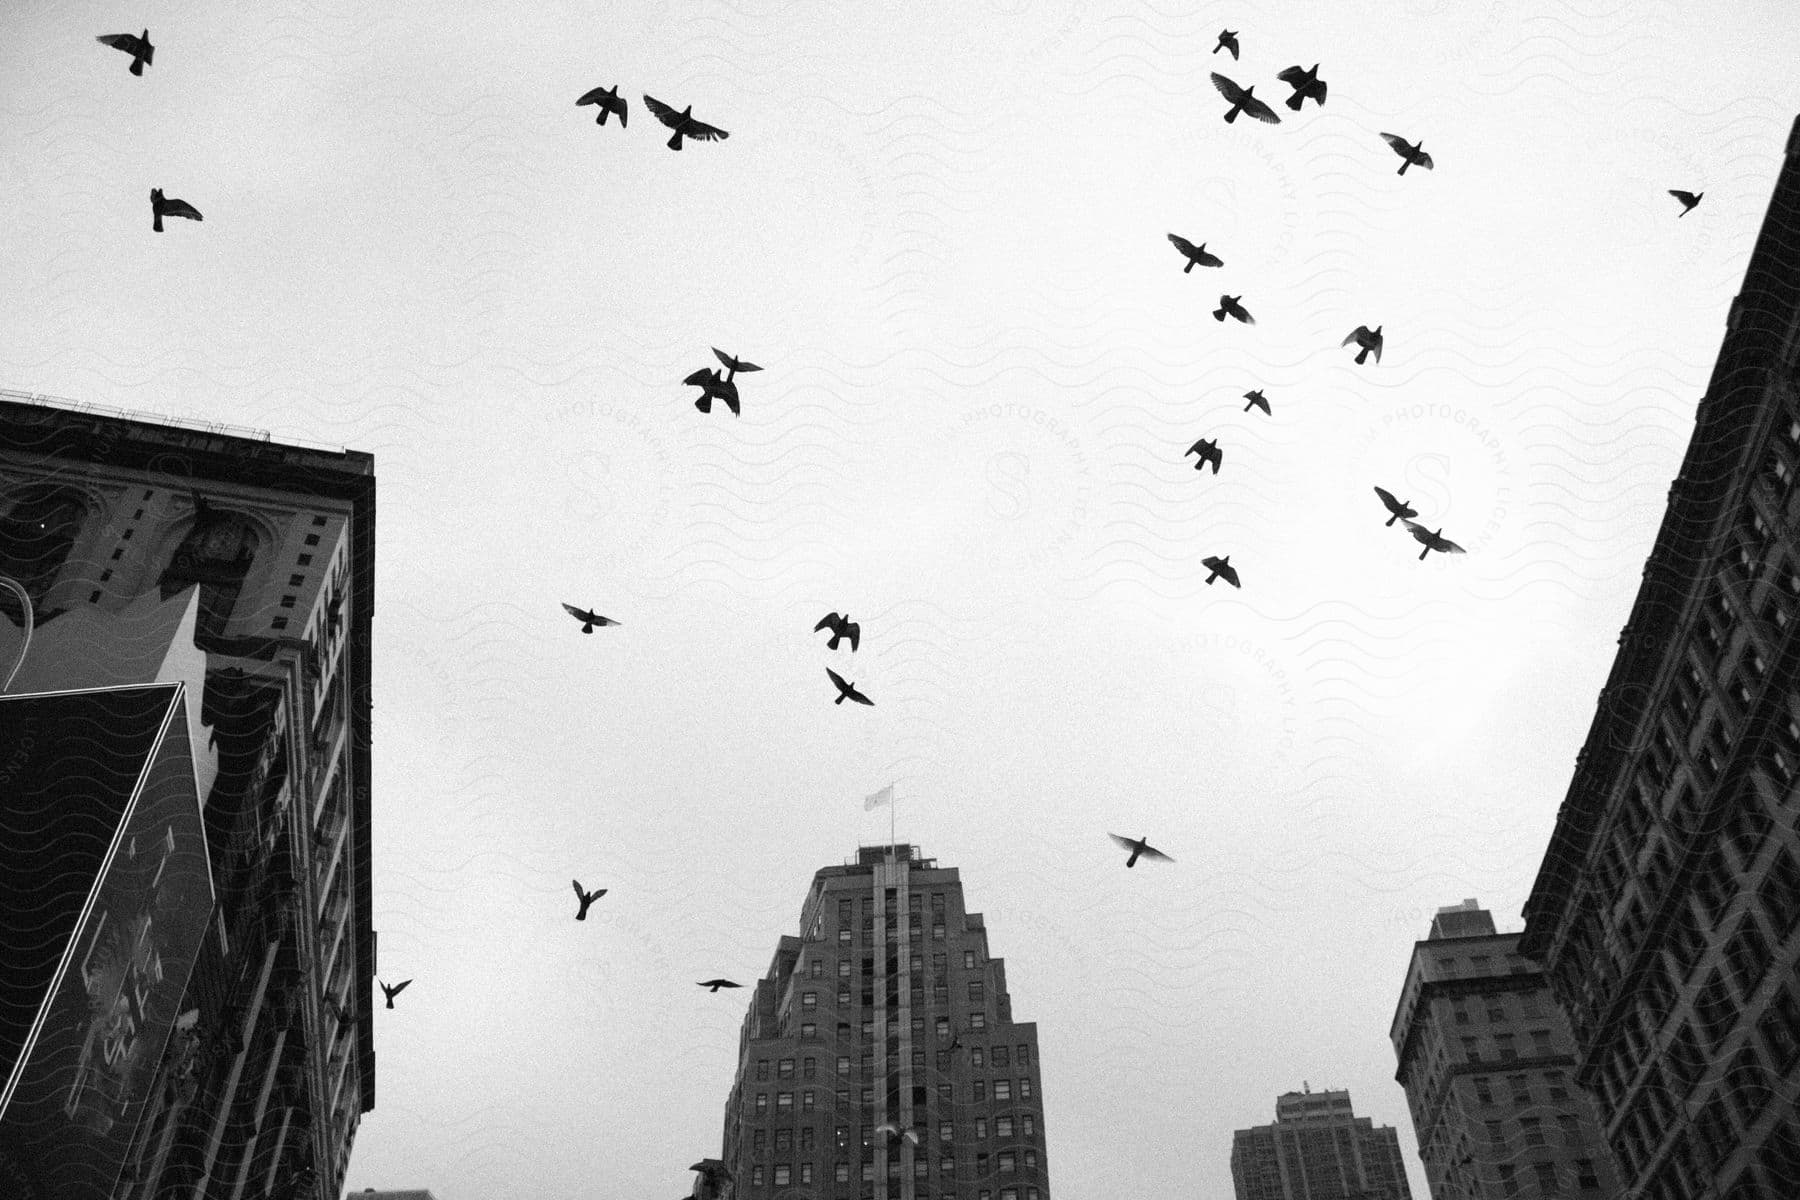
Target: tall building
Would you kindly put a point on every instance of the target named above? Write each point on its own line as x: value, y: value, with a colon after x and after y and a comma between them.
x: 1667, y: 908
x: 239, y: 572
x: 886, y: 1009
x: 1318, y: 1149
x: 1488, y: 1065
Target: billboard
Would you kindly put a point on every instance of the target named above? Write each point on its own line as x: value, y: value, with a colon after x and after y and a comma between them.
x: 105, y: 895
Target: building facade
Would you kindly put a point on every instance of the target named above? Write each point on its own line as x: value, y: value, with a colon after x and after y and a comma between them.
x: 887, y: 1009
x: 1667, y: 909
x: 1318, y: 1149
x: 144, y: 544
x: 1488, y: 1065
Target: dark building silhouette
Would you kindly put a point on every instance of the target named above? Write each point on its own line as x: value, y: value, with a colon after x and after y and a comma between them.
x: 886, y: 1008
x: 243, y: 569
x: 1318, y: 1149
x: 1488, y: 1065
x: 1668, y: 903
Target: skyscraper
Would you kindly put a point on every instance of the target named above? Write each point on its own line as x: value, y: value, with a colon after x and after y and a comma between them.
x: 1488, y: 1065
x: 1667, y: 909
x: 242, y: 569
x: 1318, y: 1149
x: 886, y: 1011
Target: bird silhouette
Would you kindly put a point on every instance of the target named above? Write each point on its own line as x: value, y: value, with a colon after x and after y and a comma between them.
x: 1413, y: 153
x: 713, y: 386
x: 1397, y: 507
x: 1305, y: 84
x: 1431, y: 541
x: 1209, y: 452
x: 1228, y: 305
x: 1688, y: 200
x: 160, y: 208
x: 134, y: 44
x: 847, y: 691
x: 1227, y: 41
x: 733, y: 365
x: 683, y: 124
x: 1257, y: 400
x: 1221, y: 568
x: 608, y: 101
x: 911, y: 1135
x: 391, y: 992
x: 1196, y: 255
x: 841, y: 627
x: 586, y: 898
x: 588, y: 618
x: 1139, y: 847
x: 714, y: 985
x: 1368, y: 339
x: 1243, y: 100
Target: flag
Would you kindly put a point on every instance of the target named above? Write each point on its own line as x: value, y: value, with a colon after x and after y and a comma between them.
x: 884, y: 796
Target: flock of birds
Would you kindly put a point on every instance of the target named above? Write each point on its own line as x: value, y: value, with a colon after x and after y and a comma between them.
x: 1307, y: 85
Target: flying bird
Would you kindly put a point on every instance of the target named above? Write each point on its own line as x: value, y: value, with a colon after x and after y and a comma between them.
x: 715, y: 985
x: 911, y: 1135
x: 1221, y: 568
x: 1196, y: 255
x: 1227, y: 41
x: 1257, y: 400
x: 847, y: 691
x: 683, y: 124
x: 608, y: 101
x: 841, y: 627
x: 1688, y: 200
x: 733, y: 365
x: 1243, y: 100
x: 1140, y: 847
x: 1229, y: 305
x: 1398, y: 507
x: 1368, y: 339
x: 1209, y: 452
x: 586, y: 898
x: 588, y: 618
x: 391, y: 992
x: 161, y: 208
x: 1431, y: 541
x: 136, y: 45
x: 713, y: 386
x: 1414, y: 154
x: 1305, y: 84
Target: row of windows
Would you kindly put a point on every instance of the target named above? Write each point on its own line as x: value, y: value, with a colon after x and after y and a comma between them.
x: 1003, y: 1127
x: 784, y: 1101
x: 1000, y: 1056
x: 1006, y: 1162
x: 916, y: 962
x: 809, y: 1031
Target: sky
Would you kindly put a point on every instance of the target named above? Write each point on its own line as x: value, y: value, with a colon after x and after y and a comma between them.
x: 941, y: 229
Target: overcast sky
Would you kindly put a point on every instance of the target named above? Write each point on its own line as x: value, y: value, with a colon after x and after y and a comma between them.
x: 941, y: 229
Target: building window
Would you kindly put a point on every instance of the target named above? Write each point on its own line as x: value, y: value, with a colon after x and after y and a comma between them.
x: 762, y: 1070
x: 1003, y: 1089
x: 809, y: 999
x: 975, y: 1056
x: 756, y: 1175
x: 868, y: 1172
x: 1025, y: 1089
x: 843, y: 1066
x: 806, y: 1172
x: 762, y: 1103
x: 806, y: 1102
x: 977, y: 1020
x: 782, y: 1174
x: 841, y: 1172
x: 784, y: 1069
x: 1003, y: 1127
x: 981, y: 1090
x: 784, y: 1141
x: 1008, y: 1162
x: 946, y: 1131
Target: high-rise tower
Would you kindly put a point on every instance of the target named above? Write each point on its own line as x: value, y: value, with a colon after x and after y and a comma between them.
x: 1488, y: 1066
x: 1318, y: 1149
x: 1667, y: 909
x: 243, y: 569
x: 886, y: 1010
